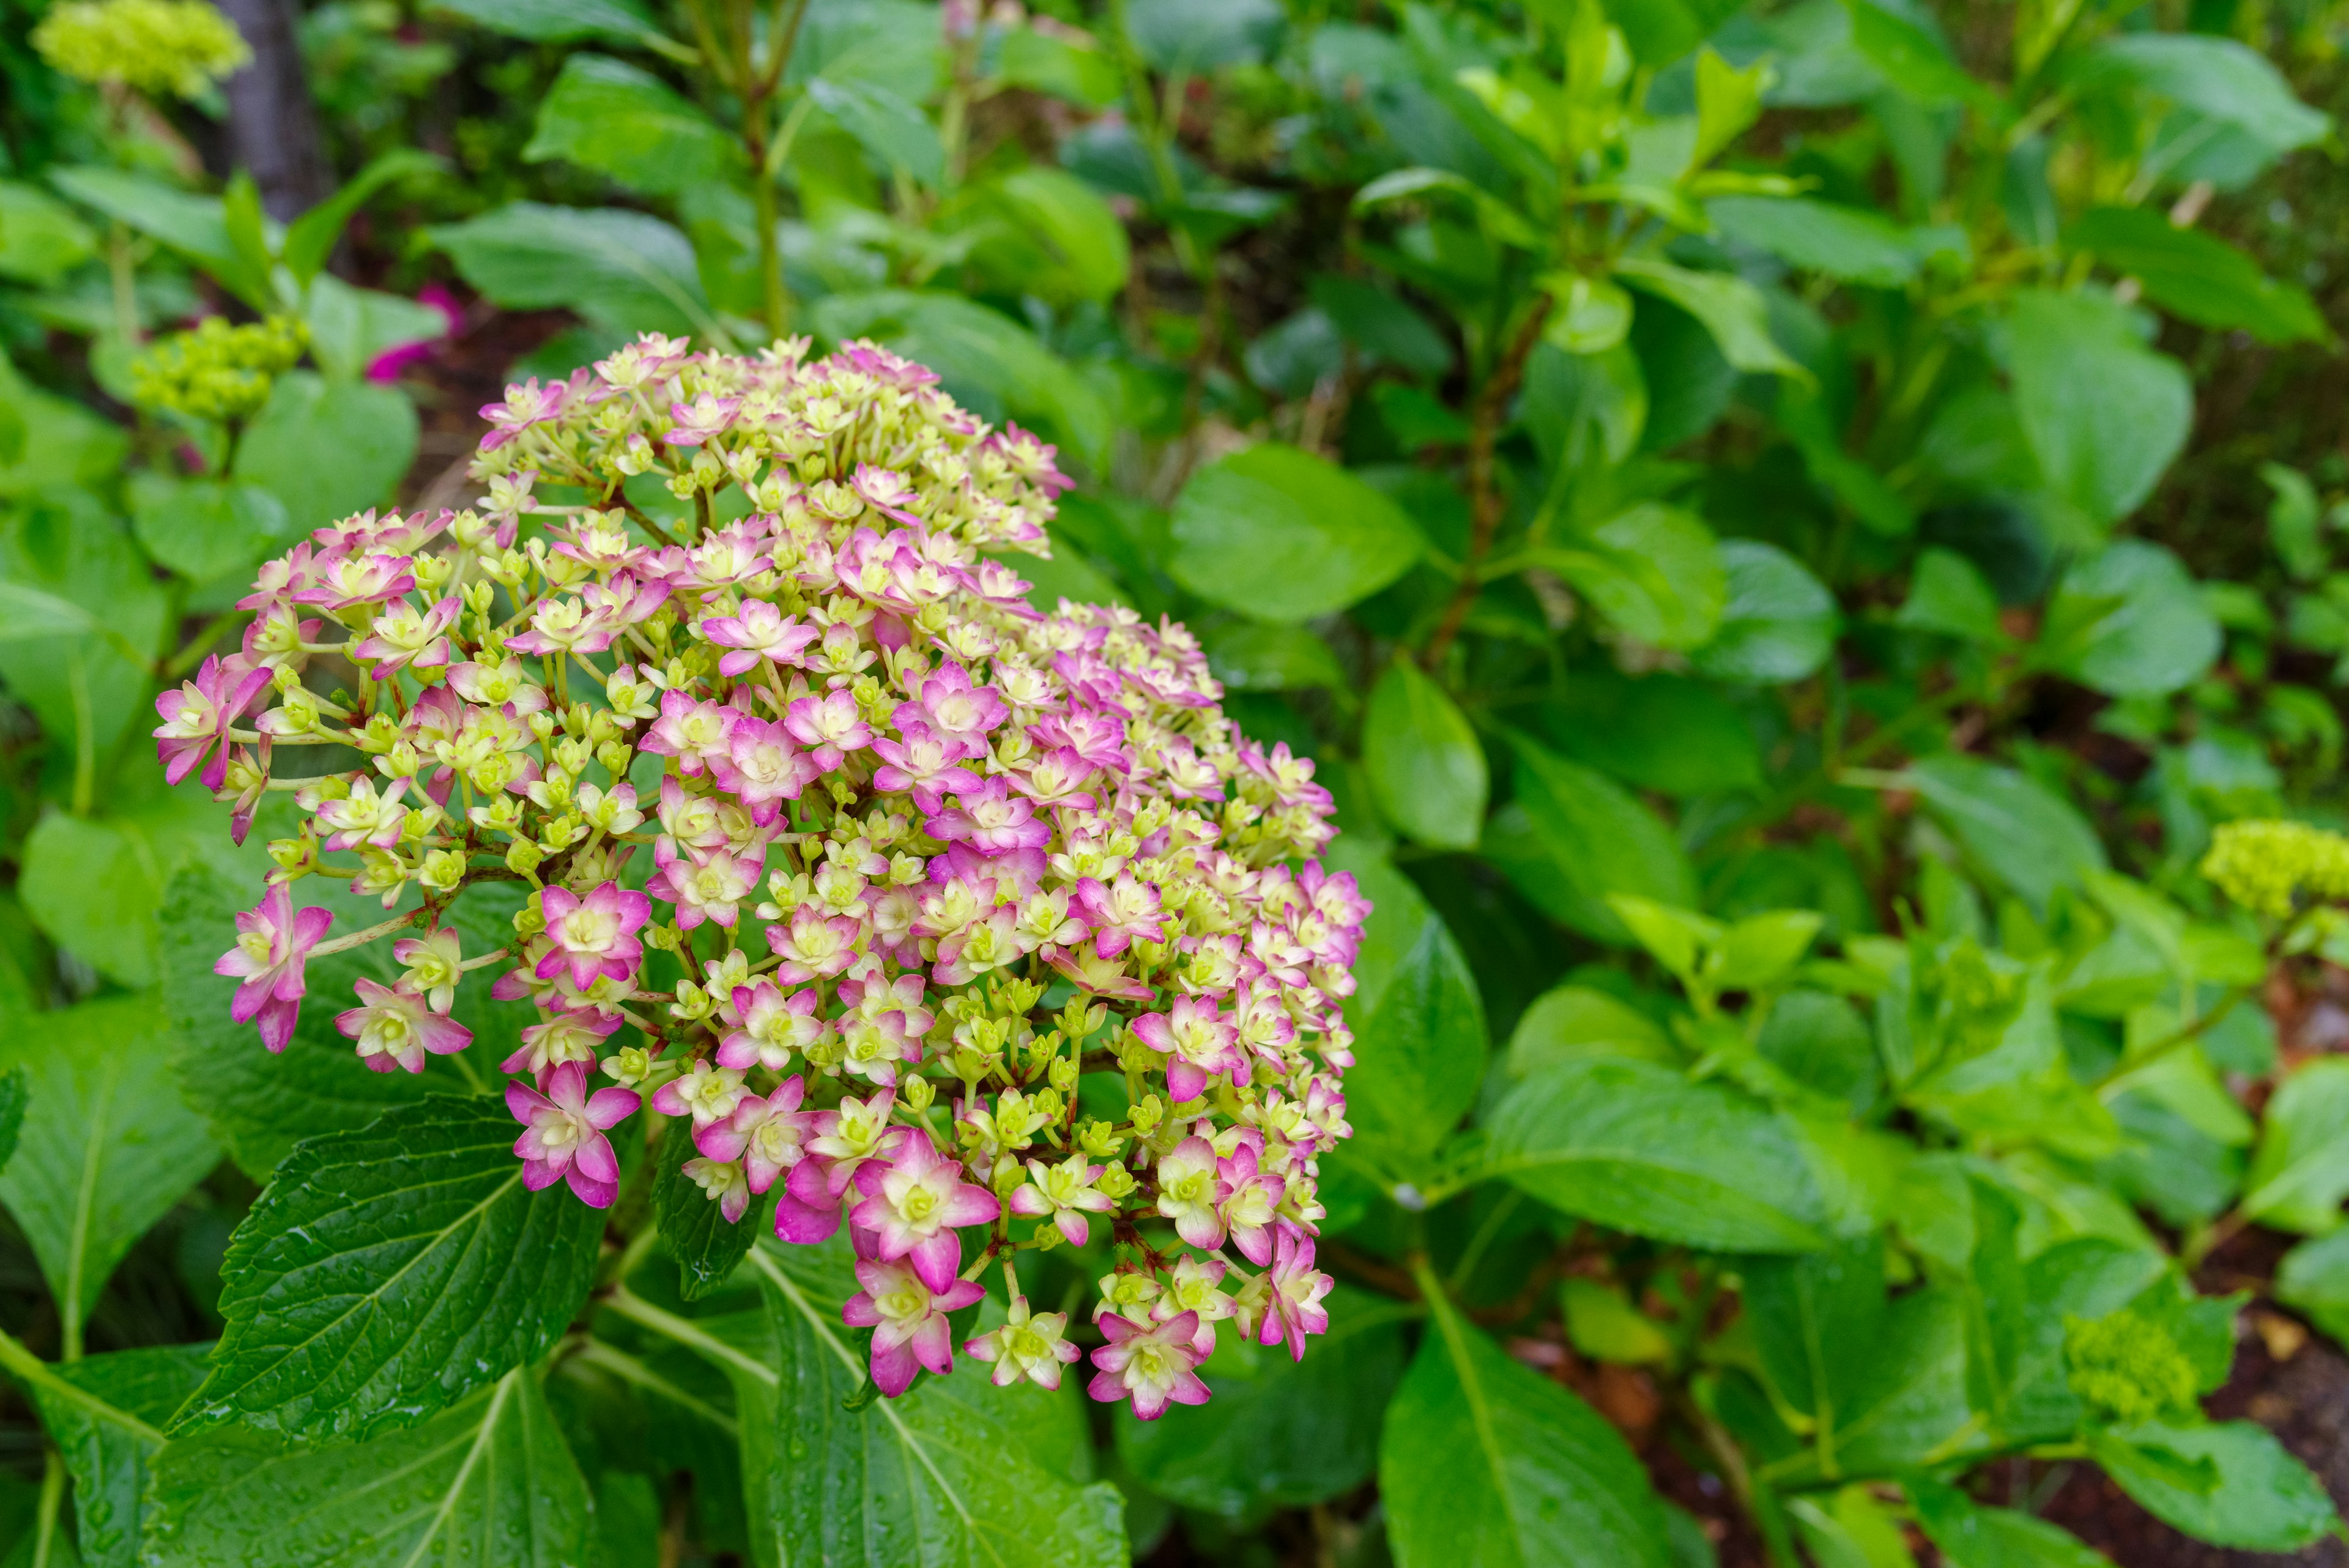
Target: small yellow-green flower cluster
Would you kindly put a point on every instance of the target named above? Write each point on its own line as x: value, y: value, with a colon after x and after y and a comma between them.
x: 2128, y: 1368
x: 2263, y: 865
x: 218, y: 371
x: 178, y: 47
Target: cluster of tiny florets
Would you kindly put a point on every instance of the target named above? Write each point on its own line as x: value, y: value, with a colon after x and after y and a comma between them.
x: 216, y: 371
x: 832, y: 843
x: 176, y: 47
x: 2268, y: 866
x: 2127, y: 1367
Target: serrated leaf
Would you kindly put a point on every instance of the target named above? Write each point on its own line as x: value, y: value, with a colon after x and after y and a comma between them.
x: 488, y: 1483
x: 1599, y: 838
x: 108, y: 1146
x: 707, y: 1246
x: 1283, y: 536
x: 106, y: 1415
x: 1731, y: 308
x: 949, y: 1474
x: 609, y: 116
x: 1425, y: 762
x: 2264, y: 1499
x: 389, y: 1271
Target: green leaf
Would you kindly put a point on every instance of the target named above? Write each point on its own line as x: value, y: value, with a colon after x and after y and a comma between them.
x: 1249, y: 656
x: 106, y: 1420
x: 1279, y: 1433
x: 1815, y: 1320
x: 1073, y: 246
x: 350, y: 328
x: 2196, y: 276
x: 1662, y: 31
x: 108, y: 1146
x: 40, y: 238
x: 1638, y: 1146
x: 1588, y: 315
x: 1419, y: 1041
x: 2104, y: 414
x: 1656, y: 575
x: 608, y: 115
x: 1600, y: 840
x: 2313, y: 1281
x: 195, y: 226
x: 707, y: 1247
x: 1660, y: 731
x: 625, y: 272
x: 202, y: 528
x: 2218, y: 77
x: 895, y: 133
x: 1912, y: 57
x: 12, y: 1095
x: 2130, y: 621
x: 1727, y: 101
x: 370, y: 430
x: 1575, y: 1021
x: 2265, y: 1500
x: 988, y: 362
x: 1282, y: 535
x: 262, y: 1104
x: 1973, y: 1536
x: 1851, y: 1530
x: 1426, y: 765
x: 26, y: 612
x: 310, y: 238
x: 1949, y: 596
x: 487, y: 1483
x: 92, y: 884
x: 1851, y: 244
x: 950, y: 1473
x: 1778, y: 623
x: 2299, y: 1172
x: 1058, y: 67
x: 1731, y: 308
x: 555, y: 21
x: 2019, y: 830
x: 386, y: 1273
x: 1180, y: 37
x: 1485, y: 1463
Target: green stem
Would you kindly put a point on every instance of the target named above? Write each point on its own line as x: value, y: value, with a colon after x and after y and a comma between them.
x: 637, y: 1310
x: 85, y: 784
x: 2183, y: 1035
x: 53, y: 1492
x: 28, y: 1368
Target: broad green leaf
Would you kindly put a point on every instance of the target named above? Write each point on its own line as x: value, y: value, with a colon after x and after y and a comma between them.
x: 1818, y: 1040
x: 2196, y: 276
x: 1282, y: 535
x: 1485, y: 1463
x: 951, y: 1473
x: 1727, y: 101
x: 195, y: 226
x: 1778, y: 623
x: 1912, y: 56
x: 1846, y: 242
x: 108, y: 1146
x: 1182, y: 37
x: 2299, y: 1172
x: 1279, y: 1433
x: 1639, y: 1147
x: 1656, y: 573
x: 2104, y: 414
x: 1385, y: 329
x: 1601, y: 1323
x: 487, y: 1483
x: 1948, y: 595
x: 1851, y: 1529
x: 261, y: 1105
x: 26, y: 612
x: 1600, y: 840
x: 40, y: 238
x: 1662, y: 31
x: 894, y: 132
x: 2313, y: 1281
x: 202, y: 528
x: 92, y: 884
x: 625, y: 272
x: 897, y: 44
x: 608, y: 115
x: 388, y: 1272
x: 1588, y: 315
x: 1059, y: 68
x: 1425, y: 762
x: 2025, y: 833
x: 693, y: 1231
x: 310, y: 238
x: 1575, y: 1021
x: 1732, y: 309
x: 1676, y: 938
x: 2130, y: 622
x: 1911, y: 1410
x: 65, y: 545
x: 1419, y: 1040
x: 58, y: 441
x: 2218, y: 77
x: 370, y: 430
x: 351, y: 327
x: 1660, y: 731
x: 988, y: 362
x: 555, y: 21
x: 106, y: 1415
x: 1973, y: 1536
x: 1816, y: 1320
x: 1819, y: 436
x: 1250, y: 656
x: 2265, y: 1500
x: 1067, y: 242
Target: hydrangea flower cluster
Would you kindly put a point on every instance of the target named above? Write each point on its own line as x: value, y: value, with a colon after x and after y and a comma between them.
x: 832, y: 845
x: 176, y: 47
x: 217, y: 371
x: 2267, y: 865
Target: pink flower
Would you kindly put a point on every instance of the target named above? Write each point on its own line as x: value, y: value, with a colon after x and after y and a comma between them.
x: 773, y: 1026
x: 700, y: 419
x: 693, y: 732
x: 1187, y: 1192
x: 830, y: 727
x: 346, y: 583
x: 990, y: 820
x: 563, y: 1133
x: 913, y: 1204
x: 1202, y: 1046
x: 396, y: 1026
x: 924, y: 762
x: 845, y: 1139
x: 273, y: 944
x: 594, y: 936
x: 770, y: 1136
x: 197, y: 716
x: 953, y: 706
x: 759, y: 630
x: 385, y: 367
x: 908, y: 1320
x: 1029, y: 1346
x: 571, y: 1035
x: 526, y: 405
x: 1295, y: 1308
x: 711, y: 886
x: 1119, y: 913
x: 761, y: 768
x: 1065, y: 1193
x: 814, y: 945
x: 1151, y: 1366
x: 885, y: 490
x: 1246, y: 1199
